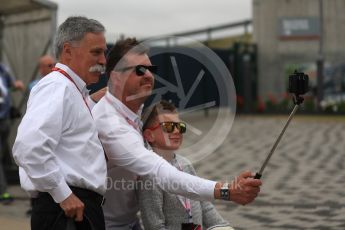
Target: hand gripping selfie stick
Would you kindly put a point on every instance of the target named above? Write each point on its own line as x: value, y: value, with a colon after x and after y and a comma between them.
x: 298, y: 85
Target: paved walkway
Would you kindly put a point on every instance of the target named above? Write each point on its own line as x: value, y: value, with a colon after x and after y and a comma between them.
x: 303, y: 184
x: 304, y: 181
x: 13, y: 217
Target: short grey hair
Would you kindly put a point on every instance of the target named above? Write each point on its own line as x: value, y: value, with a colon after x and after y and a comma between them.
x: 73, y: 29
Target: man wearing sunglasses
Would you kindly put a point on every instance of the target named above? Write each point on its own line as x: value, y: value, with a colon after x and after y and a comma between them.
x: 117, y: 117
x: 164, y: 131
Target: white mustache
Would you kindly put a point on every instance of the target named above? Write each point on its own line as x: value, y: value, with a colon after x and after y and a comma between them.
x: 97, y: 68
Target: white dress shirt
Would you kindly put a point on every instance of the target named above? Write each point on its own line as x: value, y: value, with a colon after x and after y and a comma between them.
x: 57, y: 141
x: 123, y: 143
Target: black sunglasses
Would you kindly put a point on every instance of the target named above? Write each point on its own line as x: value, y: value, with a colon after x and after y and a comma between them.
x: 140, y: 70
x: 169, y: 126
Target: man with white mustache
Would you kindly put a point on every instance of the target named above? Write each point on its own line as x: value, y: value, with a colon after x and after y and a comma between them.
x: 97, y: 68
x: 61, y: 160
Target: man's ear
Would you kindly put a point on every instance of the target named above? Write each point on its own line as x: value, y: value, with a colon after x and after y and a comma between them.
x: 67, y: 49
x: 148, y: 136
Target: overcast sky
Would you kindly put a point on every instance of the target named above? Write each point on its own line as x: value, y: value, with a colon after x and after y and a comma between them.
x: 146, y: 18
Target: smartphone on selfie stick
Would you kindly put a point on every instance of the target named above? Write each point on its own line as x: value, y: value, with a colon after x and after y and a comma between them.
x: 298, y: 85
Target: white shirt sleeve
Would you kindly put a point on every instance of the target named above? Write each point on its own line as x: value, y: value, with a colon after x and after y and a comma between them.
x: 38, y: 136
x: 124, y: 147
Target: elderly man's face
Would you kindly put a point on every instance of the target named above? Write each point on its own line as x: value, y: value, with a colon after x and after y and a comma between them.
x: 89, y: 52
x: 132, y: 86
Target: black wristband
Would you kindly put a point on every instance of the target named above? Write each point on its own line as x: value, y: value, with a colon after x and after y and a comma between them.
x: 225, y: 192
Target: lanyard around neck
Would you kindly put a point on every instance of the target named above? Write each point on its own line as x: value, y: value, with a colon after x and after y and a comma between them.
x: 70, y: 78
x: 129, y: 121
x: 184, y: 200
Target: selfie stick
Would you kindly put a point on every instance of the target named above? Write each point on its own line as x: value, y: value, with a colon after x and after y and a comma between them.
x: 297, y: 101
x: 298, y: 85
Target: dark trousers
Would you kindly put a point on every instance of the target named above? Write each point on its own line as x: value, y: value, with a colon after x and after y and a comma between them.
x: 4, y: 152
x: 48, y: 215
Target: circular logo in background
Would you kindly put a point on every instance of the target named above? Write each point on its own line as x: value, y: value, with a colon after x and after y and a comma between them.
x: 199, y: 83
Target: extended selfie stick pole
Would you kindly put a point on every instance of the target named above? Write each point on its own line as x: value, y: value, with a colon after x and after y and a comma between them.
x: 297, y: 100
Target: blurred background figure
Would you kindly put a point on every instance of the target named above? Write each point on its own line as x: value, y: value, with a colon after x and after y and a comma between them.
x: 7, y: 82
x: 45, y: 65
